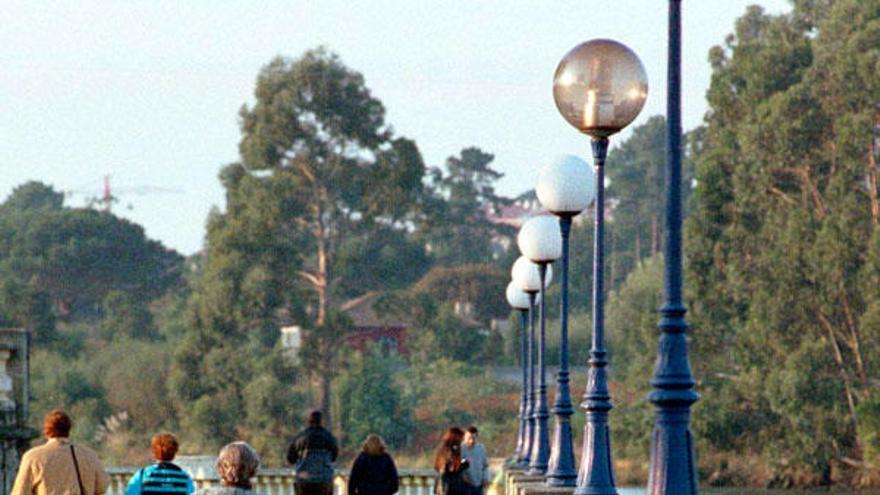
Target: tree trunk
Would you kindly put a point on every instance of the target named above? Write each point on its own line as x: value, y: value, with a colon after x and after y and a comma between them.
x: 844, y: 376
x: 325, y: 399
x: 323, y: 372
x: 854, y: 340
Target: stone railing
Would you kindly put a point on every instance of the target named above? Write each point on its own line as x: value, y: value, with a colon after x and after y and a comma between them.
x: 280, y: 481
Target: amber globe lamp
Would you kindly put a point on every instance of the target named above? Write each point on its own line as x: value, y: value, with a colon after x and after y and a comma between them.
x: 599, y: 87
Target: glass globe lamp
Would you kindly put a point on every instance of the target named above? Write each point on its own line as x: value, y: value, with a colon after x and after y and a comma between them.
x: 599, y: 87
x: 540, y: 240
x: 516, y: 297
x: 526, y: 276
x: 566, y: 186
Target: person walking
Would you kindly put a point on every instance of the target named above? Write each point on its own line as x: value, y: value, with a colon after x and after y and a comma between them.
x: 312, y: 454
x: 58, y: 466
x: 163, y: 476
x: 373, y: 471
x: 477, y: 474
x: 236, y: 464
x: 449, y: 463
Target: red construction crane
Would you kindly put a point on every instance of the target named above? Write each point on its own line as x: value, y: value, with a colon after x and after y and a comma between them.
x: 106, y: 199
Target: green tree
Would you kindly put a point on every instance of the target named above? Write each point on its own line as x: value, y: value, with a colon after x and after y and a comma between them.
x: 226, y: 354
x: 780, y: 242
x: 454, y: 222
x: 316, y: 126
x: 374, y: 401
x: 126, y: 316
x: 476, y: 286
x: 33, y: 195
x: 77, y: 256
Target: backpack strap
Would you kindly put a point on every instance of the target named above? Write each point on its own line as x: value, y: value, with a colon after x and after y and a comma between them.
x: 76, y: 467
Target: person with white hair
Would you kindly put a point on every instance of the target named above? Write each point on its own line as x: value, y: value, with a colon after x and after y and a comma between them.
x: 237, y: 464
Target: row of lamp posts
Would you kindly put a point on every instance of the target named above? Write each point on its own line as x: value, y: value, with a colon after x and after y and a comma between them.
x: 600, y: 87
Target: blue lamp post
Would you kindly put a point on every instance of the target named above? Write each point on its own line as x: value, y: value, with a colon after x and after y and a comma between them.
x: 519, y: 301
x: 673, y: 470
x: 565, y: 188
x: 533, y: 279
x: 526, y: 277
x: 599, y: 87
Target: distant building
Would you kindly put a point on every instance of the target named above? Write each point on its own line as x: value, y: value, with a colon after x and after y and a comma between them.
x: 369, y: 327
x: 526, y: 205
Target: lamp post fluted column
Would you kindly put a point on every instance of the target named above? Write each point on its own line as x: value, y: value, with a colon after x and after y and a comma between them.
x: 521, y: 457
x: 519, y: 301
x: 527, y: 277
x: 530, y: 395
x: 561, y: 470
x: 540, y: 442
x: 673, y: 467
x: 596, y: 475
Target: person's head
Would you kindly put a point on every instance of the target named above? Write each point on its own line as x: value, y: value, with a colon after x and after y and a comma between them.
x: 314, y: 419
x: 471, y: 436
x: 449, y: 452
x: 237, y: 463
x: 164, y: 446
x: 374, y: 445
x: 453, y: 436
x: 57, y: 424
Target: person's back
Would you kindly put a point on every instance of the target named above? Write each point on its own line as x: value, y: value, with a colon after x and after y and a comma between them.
x: 162, y: 477
x: 373, y: 471
x: 312, y: 453
x: 59, y: 467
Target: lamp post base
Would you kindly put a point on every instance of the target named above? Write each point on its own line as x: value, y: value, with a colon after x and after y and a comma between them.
x: 562, y: 472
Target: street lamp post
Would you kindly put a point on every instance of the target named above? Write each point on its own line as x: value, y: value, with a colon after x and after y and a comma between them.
x: 673, y: 470
x: 533, y: 278
x: 565, y: 188
x: 526, y: 277
x: 519, y: 301
x: 599, y: 87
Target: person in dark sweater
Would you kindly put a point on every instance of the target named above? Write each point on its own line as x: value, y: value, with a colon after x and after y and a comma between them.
x: 312, y: 453
x: 373, y: 471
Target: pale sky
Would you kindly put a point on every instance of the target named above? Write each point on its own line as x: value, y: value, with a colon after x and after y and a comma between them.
x: 148, y: 91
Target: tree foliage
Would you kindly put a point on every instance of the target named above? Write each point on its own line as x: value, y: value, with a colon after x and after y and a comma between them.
x: 454, y: 216
x: 77, y: 256
x: 781, y: 240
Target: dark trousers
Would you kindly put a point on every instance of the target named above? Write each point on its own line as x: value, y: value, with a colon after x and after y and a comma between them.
x: 474, y: 490
x: 313, y: 488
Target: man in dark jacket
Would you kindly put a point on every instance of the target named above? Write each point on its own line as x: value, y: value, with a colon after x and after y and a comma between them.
x: 312, y: 453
